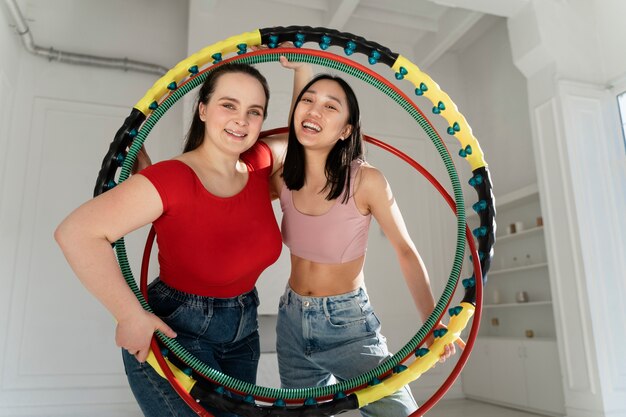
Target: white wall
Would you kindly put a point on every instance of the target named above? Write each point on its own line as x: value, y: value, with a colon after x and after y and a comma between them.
x: 492, y: 94
x: 54, y: 133
x: 9, y: 50
x: 498, y: 108
x: 9, y: 66
x: 57, y: 354
x: 48, y: 118
x: 581, y: 166
x: 430, y: 221
x: 610, y: 34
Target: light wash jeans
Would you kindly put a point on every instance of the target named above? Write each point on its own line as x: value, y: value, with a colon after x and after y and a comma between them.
x: 221, y: 332
x: 320, y: 339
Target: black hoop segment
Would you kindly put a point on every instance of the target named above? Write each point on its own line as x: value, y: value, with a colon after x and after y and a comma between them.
x: 117, y: 152
x: 325, y: 37
x: 486, y: 233
x: 117, y: 155
x: 206, y: 391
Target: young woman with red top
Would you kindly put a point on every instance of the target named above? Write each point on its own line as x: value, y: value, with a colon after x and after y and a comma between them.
x: 326, y: 328
x: 216, y: 233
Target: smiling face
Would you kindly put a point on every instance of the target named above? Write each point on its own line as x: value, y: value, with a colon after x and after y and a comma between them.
x: 321, y: 116
x: 233, y: 115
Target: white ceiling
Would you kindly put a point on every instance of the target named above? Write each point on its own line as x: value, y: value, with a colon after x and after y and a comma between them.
x: 427, y: 28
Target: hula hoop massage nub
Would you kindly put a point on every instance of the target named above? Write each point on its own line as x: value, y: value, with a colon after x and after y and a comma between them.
x: 392, y: 373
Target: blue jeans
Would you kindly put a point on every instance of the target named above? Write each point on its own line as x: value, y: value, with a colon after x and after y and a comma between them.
x: 221, y: 332
x: 323, y: 339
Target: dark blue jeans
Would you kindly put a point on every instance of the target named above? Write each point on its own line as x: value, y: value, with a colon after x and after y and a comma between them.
x: 221, y: 332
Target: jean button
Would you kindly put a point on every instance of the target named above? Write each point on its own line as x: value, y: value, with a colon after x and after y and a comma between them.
x: 306, y: 303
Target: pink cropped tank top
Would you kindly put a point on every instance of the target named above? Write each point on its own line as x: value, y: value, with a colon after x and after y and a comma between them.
x: 335, y: 237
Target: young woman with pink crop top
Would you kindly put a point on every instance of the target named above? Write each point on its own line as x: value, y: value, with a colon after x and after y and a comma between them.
x: 211, y: 210
x: 326, y: 326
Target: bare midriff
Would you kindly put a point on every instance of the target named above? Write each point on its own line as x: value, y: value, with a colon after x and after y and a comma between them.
x: 313, y: 279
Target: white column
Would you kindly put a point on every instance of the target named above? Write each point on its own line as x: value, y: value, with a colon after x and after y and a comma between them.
x: 581, y: 170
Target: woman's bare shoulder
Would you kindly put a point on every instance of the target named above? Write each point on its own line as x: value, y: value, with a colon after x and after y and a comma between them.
x: 371, y: 177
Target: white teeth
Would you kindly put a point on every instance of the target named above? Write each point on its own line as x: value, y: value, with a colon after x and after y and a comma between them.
x: 312, y: 126
x: 239, y: 135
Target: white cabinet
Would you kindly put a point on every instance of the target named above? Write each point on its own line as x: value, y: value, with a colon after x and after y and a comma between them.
x: 476, y: 374
x: 515, y: 360
x: 496, y: 373
x: 508, y: 381
x: 541, y: 363
x: 522, y: 373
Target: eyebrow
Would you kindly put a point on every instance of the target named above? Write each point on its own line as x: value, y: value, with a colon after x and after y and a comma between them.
x: 260, y: 106
x: 329, y: 96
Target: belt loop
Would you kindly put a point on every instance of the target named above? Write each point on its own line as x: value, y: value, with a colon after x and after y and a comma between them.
x: 289, y: 295
x: 325, y: 307
x: 208, y: 305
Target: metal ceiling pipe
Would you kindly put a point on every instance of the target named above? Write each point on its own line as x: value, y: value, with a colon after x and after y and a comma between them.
x: 52, y: 54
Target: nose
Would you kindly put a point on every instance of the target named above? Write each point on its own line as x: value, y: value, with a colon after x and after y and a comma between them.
x: 314, y: 111
x: 242, y: 119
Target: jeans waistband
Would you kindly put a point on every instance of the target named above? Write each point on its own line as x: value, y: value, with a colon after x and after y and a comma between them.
x: 250, y: 297
x: 293, y: 297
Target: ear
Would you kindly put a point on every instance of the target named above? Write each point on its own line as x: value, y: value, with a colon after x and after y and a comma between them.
x: 202, y: 111
x: 346, y: 132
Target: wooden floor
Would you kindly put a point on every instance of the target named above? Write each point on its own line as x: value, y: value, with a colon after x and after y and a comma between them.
x: 464, y: 408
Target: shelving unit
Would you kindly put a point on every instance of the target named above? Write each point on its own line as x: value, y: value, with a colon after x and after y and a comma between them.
x: 517, y: 269
x: 518, y: 305
x: 521, y: 234
x: 515, y: 359
x: 519, y: 265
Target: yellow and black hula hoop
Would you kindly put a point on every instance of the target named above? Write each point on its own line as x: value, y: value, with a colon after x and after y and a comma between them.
x: 197, y: 382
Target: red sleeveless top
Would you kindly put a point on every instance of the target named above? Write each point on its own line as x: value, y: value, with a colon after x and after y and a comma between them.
x: 214, y: 246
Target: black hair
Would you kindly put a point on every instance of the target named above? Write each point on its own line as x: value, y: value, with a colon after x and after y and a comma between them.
x: 337, y: 168
x: 195, y: 134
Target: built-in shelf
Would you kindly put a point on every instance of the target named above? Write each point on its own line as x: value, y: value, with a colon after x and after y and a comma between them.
x: 527, y: 304
x: 535, y: 338
x: 517, y: 269
x: 517, y: 197
x: 517, y: 338
x: 518, y: 235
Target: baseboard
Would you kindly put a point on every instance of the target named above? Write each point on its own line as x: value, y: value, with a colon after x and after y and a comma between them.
x: 112, y: 410
x: 518, y: 407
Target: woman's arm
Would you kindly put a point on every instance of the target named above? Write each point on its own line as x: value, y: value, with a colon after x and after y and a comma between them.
x: 376, y: 195
x: 85, y: 238
x: 142, y: 161
x: 276, y: 184
x: 302, y: 73
x: 278, y: 146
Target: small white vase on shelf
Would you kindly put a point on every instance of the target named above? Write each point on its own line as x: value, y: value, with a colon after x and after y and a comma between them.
x: 495, y: 296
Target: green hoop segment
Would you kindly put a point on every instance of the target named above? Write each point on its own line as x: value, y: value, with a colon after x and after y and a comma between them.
x: 318, y: 58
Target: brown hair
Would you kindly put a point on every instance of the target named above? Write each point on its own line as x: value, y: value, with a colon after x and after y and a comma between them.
x: 195, y: 134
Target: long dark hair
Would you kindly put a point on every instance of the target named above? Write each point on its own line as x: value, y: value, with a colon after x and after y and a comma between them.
x: 337, y: 168
x: 195, y: 134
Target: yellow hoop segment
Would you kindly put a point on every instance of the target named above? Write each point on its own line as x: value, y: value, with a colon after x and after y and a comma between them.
x: 421, y: 364
x: 186, y: 381
x: 199, y: 59
x: 450, y: 113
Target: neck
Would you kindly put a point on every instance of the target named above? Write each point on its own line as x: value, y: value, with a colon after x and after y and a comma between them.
x: 223, y: 163
x: 314, y: 167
